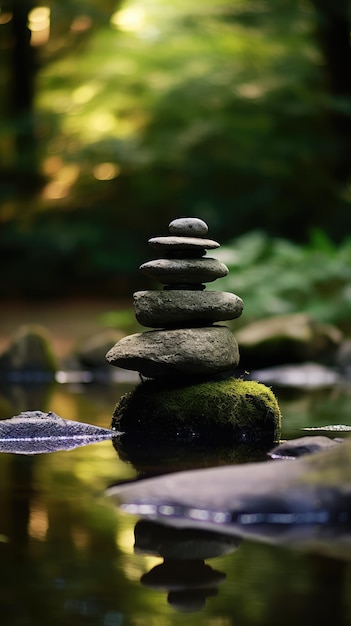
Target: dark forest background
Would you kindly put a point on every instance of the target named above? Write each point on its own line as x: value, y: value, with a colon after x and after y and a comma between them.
x: 117, y: 117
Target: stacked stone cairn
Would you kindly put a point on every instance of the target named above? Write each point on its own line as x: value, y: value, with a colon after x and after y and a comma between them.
x: 187, y: 341
x: 188, y: 357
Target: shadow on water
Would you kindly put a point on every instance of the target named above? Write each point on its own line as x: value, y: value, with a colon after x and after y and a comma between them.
x: 68, y: 554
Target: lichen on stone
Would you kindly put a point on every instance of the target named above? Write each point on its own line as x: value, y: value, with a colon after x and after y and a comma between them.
x: 211, y: 408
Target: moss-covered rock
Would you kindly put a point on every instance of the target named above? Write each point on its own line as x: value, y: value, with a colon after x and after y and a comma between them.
x: 29, y: 350
x: 294, y: 338
x: 212, y: 409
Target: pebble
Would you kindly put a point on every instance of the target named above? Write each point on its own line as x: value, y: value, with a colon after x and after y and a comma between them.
x: 188, y: 226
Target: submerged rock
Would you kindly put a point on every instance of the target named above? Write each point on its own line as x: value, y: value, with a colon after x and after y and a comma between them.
x: 229, y: 409
x: 35, y: 432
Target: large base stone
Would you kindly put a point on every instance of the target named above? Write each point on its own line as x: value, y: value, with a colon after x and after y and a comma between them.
x: 197, y: 351
x: 229, y: 409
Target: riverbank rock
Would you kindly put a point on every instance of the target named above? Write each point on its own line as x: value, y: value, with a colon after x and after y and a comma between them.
x: 286, y: 339
x: 91, y: 352
x: 30, y: 350
x: 229, y: 409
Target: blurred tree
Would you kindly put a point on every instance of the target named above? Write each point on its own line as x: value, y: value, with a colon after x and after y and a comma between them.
x: 33, y: 36
x: 236, y: 112
x: 333, y: 26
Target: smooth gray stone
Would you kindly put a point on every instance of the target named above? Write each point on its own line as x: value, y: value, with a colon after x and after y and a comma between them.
x: 186, y: 271
x: 303, y: 445
x: 191, y: 226
x: 304, y: 375
x: 165, y: 308
x: 167, y: 244
x: 157, y: 353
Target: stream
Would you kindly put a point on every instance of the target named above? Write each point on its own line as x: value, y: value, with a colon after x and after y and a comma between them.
x: 70, y: 556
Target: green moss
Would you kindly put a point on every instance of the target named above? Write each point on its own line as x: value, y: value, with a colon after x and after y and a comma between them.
x: 229, y: 407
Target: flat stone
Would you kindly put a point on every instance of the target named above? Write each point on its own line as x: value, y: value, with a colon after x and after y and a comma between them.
x: 188, y: 226
x: 167, y: 308
x: 303, y: 445
x: 183, y: 244
x: 186, y: 271
x: 35, y: 432
x: 200, y: 351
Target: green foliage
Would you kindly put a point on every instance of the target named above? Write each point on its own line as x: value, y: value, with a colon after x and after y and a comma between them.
x: 275, y: 276
x: 146, y: 110
x: 123, y: 320
x: 212, y: 109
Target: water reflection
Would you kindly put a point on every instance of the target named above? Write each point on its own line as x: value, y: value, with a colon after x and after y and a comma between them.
x: 67, y: 553
x: 152, y: 457
x: 183, y: 576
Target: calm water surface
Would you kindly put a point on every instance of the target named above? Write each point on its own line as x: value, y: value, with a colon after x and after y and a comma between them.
x: 67, y: 555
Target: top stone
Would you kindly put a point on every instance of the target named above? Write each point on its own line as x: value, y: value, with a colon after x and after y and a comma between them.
x: 188, y: 227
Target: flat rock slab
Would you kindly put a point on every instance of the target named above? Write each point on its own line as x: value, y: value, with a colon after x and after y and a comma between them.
x: 208, y: 350
x: 167, y: 244
x: 305, y: 503
x: 168, y: 308
x: 35, y: 432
